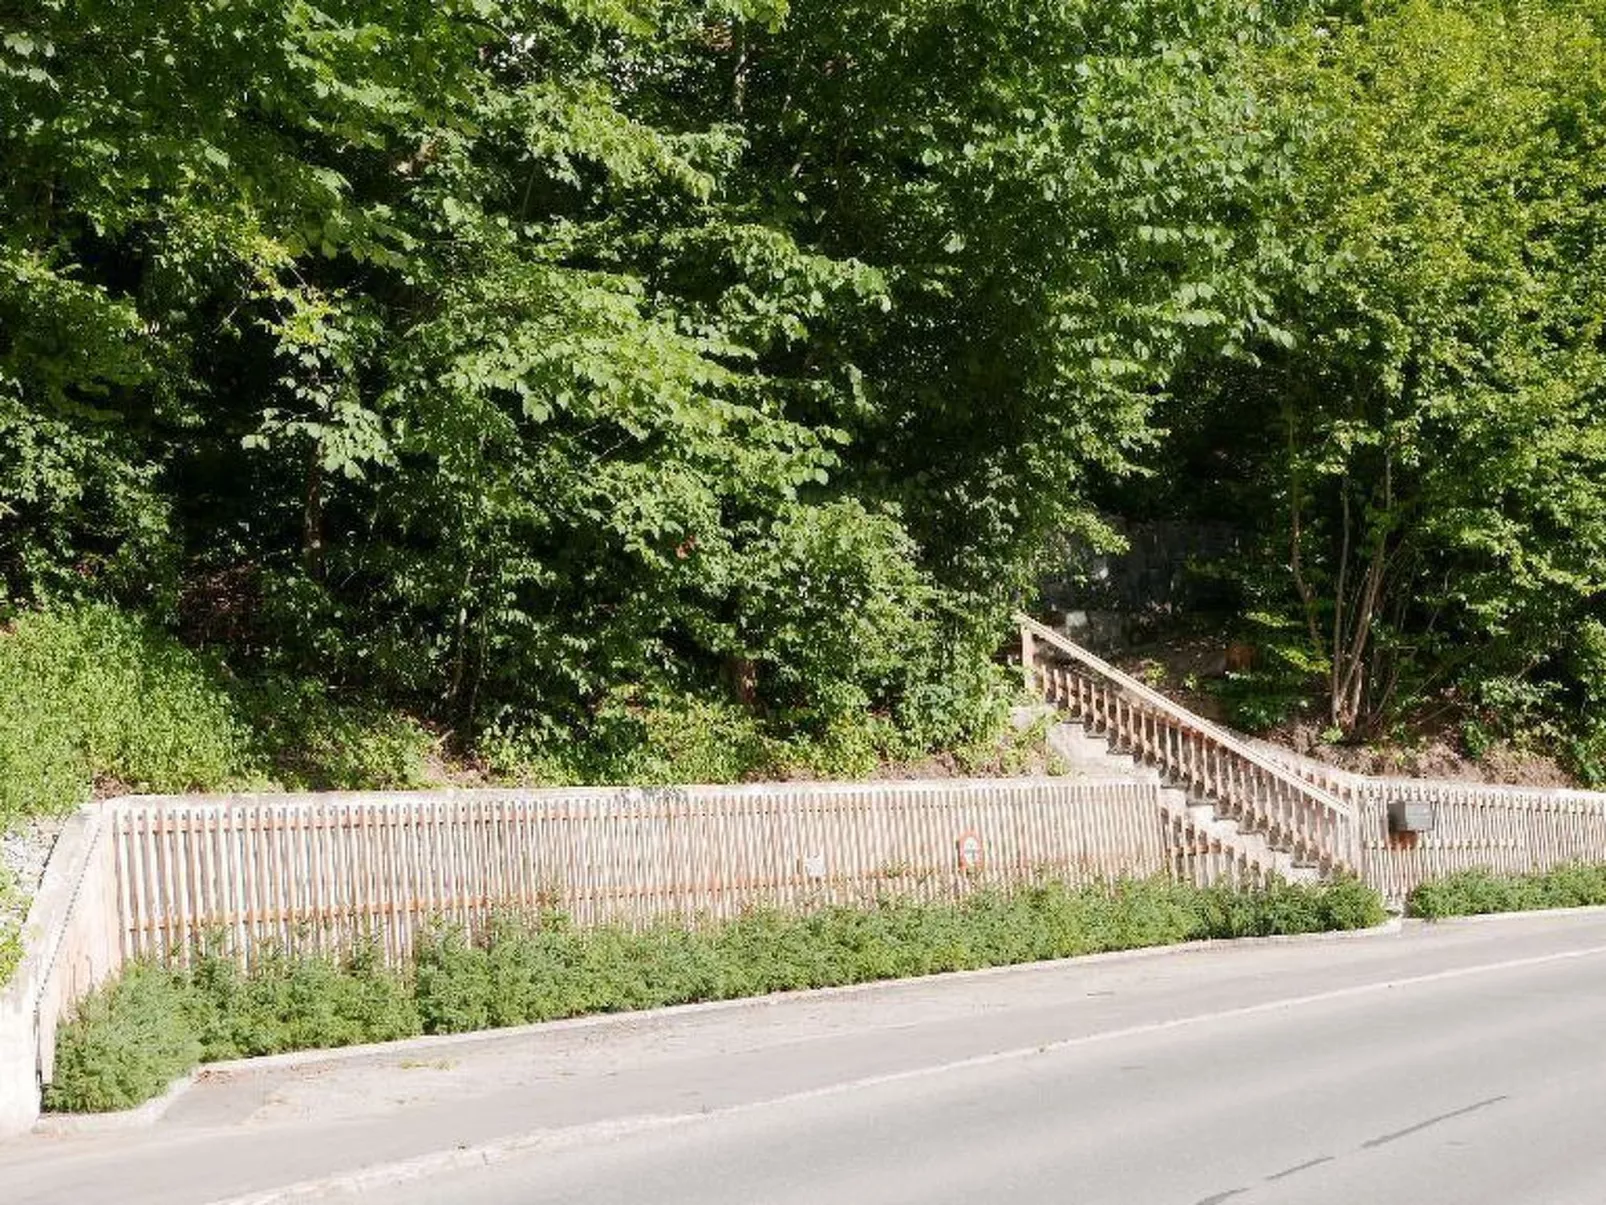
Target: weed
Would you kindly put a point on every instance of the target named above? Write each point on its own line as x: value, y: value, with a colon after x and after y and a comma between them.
x: 12, y: 910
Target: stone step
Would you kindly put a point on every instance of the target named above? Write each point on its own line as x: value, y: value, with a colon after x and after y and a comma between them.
x: 1091, y: 756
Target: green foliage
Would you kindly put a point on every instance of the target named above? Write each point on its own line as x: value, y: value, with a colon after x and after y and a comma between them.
x: 1581, y: 716
x: 1064, y: 200
x: 452, y: 982
x: 531, y: 382
x: 13, y: 911
x: 649, y: 354
x: 1262, y: 699
x: 1474, y: 892
x: 689, y: 739
x: 313, y: 740
x: 539, y: 969
x: 130, y: 1038
x: 297, y: 1003
x: 127, y: 1041
x: 96, y: 693
x: 1431, y: 497
x: 1287, y: 908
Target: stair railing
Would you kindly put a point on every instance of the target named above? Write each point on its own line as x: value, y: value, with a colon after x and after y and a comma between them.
x: 1259, y: 793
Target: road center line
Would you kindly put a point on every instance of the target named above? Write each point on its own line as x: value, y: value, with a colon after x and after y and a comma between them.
x: 1432, y: 1121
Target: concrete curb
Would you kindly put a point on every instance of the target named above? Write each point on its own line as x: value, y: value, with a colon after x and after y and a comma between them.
x: 152, y: 1111
x: 61, y: 1125
x: 1480, y: 918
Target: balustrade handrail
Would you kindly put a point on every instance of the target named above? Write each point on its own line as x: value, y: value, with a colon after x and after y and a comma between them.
x: 1186, y: 719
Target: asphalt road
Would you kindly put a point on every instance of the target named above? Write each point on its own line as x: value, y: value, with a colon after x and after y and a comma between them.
x: 1460, y: 1063
x: 1487, y: 1087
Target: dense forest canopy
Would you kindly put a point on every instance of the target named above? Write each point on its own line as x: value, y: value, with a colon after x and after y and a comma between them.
x: 539, y: 368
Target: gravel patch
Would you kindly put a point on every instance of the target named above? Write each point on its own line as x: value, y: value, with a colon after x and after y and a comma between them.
x: 23, y: 854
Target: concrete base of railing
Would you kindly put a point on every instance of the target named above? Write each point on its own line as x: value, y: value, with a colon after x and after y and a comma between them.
x: 67, y: 948
x: 19, y: 1070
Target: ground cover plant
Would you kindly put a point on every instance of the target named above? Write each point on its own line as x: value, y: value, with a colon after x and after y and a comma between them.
x: 13, y: 908
x: 91, y: 695
x: 94, y: 692
x: 132, y: 1036
x: 1475, y: 892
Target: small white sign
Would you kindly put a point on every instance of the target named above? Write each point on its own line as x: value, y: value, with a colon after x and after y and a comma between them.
x: 970, y: 851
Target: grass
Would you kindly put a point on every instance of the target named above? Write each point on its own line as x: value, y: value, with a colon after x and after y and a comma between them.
x: 1477, y: 892
x: 132, y: 1036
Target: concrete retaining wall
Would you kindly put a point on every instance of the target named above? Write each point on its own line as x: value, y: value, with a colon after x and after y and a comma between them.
x: 70, y: 943
x: 151, y: 876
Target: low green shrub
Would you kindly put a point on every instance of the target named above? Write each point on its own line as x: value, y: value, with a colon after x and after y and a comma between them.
x: 12, y: 911
x: 636, y: 737
x: 311, y: 739
x: 1282, y: 908
x: 132, y: 1037
x: 93, y: 693
x: 304, y: 1003
x: 640, y: 738
x: 127, y: 1041
x: 1475, y: 892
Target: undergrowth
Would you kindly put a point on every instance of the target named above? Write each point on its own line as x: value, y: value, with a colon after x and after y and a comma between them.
x: 92, y: 695
x: 1474, y: 892
x: 13, y: 911
x: 131, y: 1037
x: 96, y: 693
x: 127, y: 1042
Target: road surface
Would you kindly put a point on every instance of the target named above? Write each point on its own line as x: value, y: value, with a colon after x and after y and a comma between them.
x: 1462, y: 1063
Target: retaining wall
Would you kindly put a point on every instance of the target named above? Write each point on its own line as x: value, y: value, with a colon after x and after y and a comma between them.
x: 71, y: 942
x: 1510, y: 829
x: 153, y: 875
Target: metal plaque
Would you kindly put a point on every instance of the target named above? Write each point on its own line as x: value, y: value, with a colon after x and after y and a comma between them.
x: 1408, y: 816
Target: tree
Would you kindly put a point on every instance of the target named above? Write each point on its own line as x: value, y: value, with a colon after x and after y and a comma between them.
x: 433, y: 336
x: 1437, y: 469
x: 1063, y: 200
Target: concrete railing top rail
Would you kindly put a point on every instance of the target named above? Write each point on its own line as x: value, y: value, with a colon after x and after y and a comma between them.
x: 1352, y: 780
x: 1152, y: 700
x: 1318, y: 778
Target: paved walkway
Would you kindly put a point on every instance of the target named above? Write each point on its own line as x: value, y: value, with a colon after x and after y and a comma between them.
x: 255, y: 1129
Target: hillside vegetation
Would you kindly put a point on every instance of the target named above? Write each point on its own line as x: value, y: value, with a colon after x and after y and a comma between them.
x: 596, y: 389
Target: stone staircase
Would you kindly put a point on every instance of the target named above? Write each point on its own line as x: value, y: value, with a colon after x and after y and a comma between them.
x: 1224, y: 802
x: 1194, y: 827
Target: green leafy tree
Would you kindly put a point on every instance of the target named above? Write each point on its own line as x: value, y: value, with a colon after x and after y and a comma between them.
x: 1442, y: 411
x: 431, y: 343
x: 1064, y: 200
